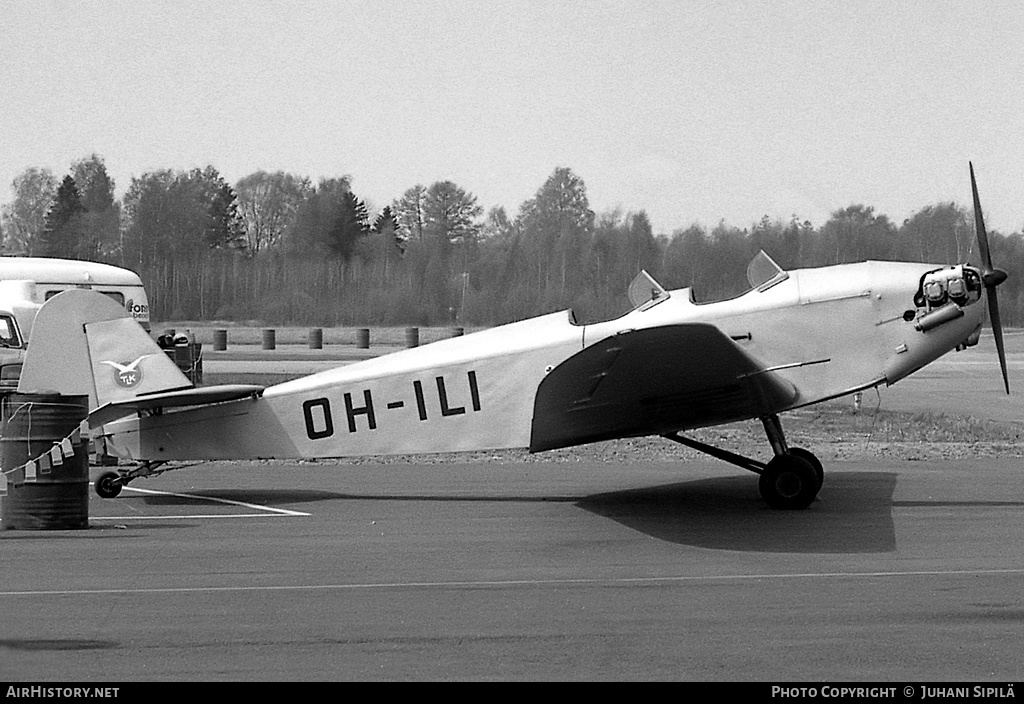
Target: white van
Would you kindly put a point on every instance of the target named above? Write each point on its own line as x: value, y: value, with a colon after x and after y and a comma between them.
x: 52, y: 276
x: 28, y: 282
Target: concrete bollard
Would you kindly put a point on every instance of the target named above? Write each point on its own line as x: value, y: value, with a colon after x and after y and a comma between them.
x: 363, y: 338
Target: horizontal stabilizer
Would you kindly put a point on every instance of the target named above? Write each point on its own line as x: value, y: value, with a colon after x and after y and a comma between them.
x: 197, y: 396
x: 652, y: 382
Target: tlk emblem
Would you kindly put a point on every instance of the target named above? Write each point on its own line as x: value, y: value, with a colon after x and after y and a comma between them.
x: 127, y: 375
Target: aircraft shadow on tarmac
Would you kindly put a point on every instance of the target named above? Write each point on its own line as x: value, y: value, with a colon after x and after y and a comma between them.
x: 853, y: 514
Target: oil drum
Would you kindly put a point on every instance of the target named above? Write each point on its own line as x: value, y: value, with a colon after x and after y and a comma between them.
x: 57, y: 496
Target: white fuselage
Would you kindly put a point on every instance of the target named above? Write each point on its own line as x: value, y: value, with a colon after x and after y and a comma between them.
x: 828, y: 331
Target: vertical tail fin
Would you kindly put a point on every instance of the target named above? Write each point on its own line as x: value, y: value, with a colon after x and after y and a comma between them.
x: 85, y: 343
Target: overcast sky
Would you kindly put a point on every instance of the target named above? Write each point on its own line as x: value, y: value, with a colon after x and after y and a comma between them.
x: 692, y: 111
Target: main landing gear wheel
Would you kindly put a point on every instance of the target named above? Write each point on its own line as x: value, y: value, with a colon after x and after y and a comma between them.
x: 108, y: 485
x: 812, y: 460
x: 789, y: 482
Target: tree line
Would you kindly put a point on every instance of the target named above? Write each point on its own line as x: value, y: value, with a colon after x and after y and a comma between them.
x: 277, y: 248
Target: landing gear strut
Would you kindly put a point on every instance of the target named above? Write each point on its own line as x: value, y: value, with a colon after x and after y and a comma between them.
x: 791, y: 480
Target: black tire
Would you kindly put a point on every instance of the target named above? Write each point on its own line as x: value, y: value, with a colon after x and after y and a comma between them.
x: 789, y: 482
x: 812, y: 459
x: 108, y: 485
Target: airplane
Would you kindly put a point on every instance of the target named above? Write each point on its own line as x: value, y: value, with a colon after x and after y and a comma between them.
x: 670, y: 365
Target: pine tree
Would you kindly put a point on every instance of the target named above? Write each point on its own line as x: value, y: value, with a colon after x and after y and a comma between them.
x: 350, y: 226
x: 386, y: 224
x: 101, y: 222
x: 225, y: 228
x: 62, y: 232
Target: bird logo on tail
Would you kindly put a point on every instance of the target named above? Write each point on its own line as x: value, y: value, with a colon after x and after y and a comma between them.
x: 127, y: 376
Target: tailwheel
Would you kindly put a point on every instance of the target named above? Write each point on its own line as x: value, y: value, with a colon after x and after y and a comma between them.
x: 108, y: 485
x: 789, y: 482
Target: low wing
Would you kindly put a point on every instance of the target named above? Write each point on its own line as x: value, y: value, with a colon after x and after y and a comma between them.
x: 651, y: 382
x: 197, y: 396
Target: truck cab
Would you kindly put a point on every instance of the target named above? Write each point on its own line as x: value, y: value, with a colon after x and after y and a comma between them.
x: 12, y: 351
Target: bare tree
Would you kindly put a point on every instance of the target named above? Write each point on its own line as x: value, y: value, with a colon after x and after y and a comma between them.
x: 267, y: 203
x: 25, y: 216
x: 409, y: 212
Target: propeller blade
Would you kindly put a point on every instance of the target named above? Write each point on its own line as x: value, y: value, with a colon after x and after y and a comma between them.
x: 997, y: 332
x: 979, y: 226
x: 991, y: 277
